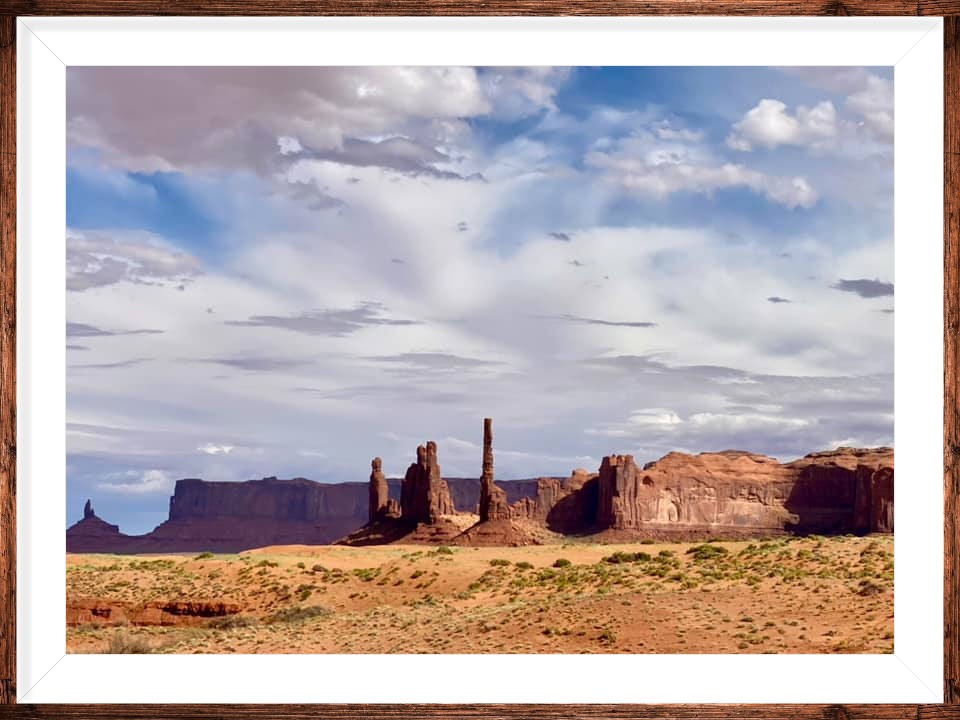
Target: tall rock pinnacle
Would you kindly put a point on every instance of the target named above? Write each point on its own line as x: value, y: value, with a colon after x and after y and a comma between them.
x: 379, y: 491
x: 493, y: 500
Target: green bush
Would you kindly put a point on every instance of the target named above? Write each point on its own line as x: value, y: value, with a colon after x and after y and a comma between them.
x: 524, y: 565
x: 707, y: 552
x: 498, y: 562
x: 561, y: 562
x: 204, y: 556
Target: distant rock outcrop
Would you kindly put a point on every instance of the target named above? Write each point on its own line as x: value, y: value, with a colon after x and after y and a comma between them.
x: 731, y: 493
x: 92, y: 534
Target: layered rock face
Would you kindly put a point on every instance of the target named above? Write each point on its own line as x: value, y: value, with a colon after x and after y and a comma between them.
x: 841, y: 490
x: 424, y: 495
x: 493, y: 500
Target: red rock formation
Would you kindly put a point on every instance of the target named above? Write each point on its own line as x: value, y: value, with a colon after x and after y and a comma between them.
x: 493, y: 500
x: 424, y: 495
x: 739, y: 490
x: 619, y: 486
x: 154, y: 612
x: 379, y: 491
x: 92, y: 534
x: 564, y: 505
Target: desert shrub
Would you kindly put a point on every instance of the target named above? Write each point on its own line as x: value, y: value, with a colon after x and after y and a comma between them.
x: 561, y: 563
x: 621, y: 557
x: 868, y: 587
x: 228, y: 622
x: 301, y: 565
x: 267, y: 563
x: 318, y: 569
x: 608, y: 637
x: 126, y: 643
x: 707, y: 552
x: 524, y: 565
x: 499, y: 562
x: 646, y: 541
x: 298, y: 614
x: 367, y: 574
x: 204, y: 556
x: 444, y: 550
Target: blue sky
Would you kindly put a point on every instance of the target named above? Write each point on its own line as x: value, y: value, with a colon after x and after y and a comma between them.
x: 287, y: 271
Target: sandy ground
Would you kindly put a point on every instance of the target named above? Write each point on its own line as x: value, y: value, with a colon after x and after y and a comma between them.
x: 787, y: 595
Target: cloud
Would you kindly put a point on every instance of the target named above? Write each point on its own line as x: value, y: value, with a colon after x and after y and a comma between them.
x: 110, y: 365
x: 432, y: 361
x: 776, y: 299
x: 643, y: 165
x: 256, y: 118
x: 255, y: 363
x: 148, y: 482
x: 607, y: 323
x: 771, y: 124
x: 868, y: 102
x: 211, y: 449
x: 865, y: 288
x: 875, y: 103
x: 333, y: 322
x: 424, y: 396
x: 312, y: 197
x: 395, y: 153
x: 99, y: 259
x: 84, y: 330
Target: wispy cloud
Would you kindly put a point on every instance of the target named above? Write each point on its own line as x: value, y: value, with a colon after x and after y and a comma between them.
x: 332, y: 322
x: 85, y: 330
x: 865, y: 288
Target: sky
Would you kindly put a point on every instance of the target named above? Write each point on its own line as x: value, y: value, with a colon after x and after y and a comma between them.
x: 288, y: 271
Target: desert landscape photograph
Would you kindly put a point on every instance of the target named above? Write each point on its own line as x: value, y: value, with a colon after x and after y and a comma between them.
x: 480, y: 360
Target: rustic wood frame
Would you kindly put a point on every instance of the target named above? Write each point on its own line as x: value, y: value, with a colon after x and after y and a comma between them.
x: 949, y: 9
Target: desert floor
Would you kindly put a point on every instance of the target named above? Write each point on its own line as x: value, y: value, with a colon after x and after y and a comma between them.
x: 785, y: 595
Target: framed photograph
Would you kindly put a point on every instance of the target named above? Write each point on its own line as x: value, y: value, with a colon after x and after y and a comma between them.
x: 565, y: 346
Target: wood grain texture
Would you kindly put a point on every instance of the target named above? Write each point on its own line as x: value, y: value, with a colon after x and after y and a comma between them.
x: 8, y: 360
x: 10, y: 8
x: 485, y: 712
x: 475, y: 7
x: 951, y: 348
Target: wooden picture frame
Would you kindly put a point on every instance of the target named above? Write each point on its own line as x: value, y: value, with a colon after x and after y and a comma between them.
x: 949, y: 9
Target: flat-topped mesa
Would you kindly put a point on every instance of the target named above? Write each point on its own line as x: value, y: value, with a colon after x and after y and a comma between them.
x: 424, y: 494
x: 493, y: 500
x: 379, y: 491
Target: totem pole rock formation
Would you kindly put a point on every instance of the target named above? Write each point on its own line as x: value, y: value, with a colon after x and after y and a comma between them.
x: 424, y: 494
x: 379, y: 491
x: 88, y: 510
x: 493, y: 500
